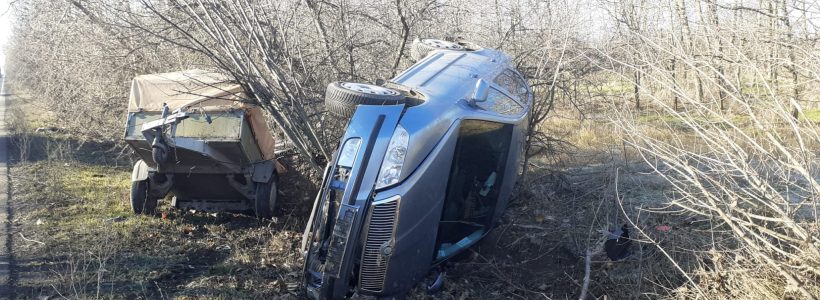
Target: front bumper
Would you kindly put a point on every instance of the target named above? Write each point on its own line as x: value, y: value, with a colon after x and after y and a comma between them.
x: 391, y: 238
x: 414, y: 209
x: 333, y: 236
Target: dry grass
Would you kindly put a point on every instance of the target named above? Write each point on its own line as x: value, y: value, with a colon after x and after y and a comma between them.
x: 89, y: 245
x: 93, y: 247
x: 79, y: 239
x: 75, y: 237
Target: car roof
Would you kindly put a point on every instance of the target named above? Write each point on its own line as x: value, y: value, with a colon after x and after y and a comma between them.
x: 447, y: 74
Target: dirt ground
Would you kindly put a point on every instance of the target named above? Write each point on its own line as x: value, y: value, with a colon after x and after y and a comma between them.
x: 83, y: 243
x: 74, y: 235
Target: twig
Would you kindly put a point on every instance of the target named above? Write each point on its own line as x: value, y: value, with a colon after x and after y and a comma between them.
x: 30, y: 240
x: 585, y: 285
x: 525, y: 226
x: 58, y: 292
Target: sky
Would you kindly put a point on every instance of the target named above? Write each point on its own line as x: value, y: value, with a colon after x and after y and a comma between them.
x: 5, y: 28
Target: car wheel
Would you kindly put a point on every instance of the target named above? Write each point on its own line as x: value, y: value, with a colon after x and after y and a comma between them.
x: 421, y: 47
x: 342, y: 98
x: 265, y: 201
x: 141, y: 202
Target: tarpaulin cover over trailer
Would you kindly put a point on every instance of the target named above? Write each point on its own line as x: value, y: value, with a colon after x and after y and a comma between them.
x: 198, y: 91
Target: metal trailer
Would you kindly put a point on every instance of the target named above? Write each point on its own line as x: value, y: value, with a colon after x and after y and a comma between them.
x: 425, y: 170
x: 204, y: 146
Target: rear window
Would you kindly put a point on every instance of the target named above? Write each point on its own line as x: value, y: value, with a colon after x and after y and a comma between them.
x: 513, y: 83
x: 500, y: 103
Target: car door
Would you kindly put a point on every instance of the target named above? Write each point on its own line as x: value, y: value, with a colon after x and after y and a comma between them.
x: 475, y: 182
x: 484, y: 167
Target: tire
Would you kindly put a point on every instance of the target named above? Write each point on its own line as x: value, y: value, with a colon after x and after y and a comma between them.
x: 159, y: 155
x: 141, y: 202
x: 341, y: 98
x: 421, y: 47
x: 265, y: 200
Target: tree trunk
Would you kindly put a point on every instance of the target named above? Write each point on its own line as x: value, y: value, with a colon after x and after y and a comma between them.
x: 792, y: 68
x: 717, y: 55
x: 405, y: 34
x: 637, y: 79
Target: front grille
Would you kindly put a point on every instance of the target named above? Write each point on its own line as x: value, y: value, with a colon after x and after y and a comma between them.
x: 379, y: 232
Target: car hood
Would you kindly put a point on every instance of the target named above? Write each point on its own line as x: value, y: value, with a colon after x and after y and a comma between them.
x: 445, y: 79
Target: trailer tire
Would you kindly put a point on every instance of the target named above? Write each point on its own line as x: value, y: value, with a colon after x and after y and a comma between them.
x: 422, y: 47
x: 141, y: 202
x: 265, y: 199
x: 342, y: 98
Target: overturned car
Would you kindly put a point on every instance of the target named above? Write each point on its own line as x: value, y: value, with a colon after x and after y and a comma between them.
x: 425, y: 169
x: 202, y: 141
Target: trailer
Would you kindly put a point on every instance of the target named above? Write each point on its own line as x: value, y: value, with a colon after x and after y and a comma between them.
x: 201, y: 142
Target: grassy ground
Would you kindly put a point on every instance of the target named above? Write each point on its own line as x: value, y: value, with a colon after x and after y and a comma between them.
x: 78, y: 239
x: 75, y: 237
x: 812, y: 115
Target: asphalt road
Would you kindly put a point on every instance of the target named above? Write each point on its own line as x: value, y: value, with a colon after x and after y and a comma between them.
x: 5, y: 225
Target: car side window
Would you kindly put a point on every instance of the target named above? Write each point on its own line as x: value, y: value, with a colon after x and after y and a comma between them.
x: 514, y: 84
x: 500, y: 103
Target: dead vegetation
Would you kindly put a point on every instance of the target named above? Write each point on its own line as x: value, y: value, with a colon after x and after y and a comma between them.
x: 694, y: 122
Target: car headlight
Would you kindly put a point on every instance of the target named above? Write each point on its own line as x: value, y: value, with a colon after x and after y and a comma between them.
x: 390, y: 171
x: 349, y: 151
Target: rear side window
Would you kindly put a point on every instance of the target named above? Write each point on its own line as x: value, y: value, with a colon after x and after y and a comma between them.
x: 501, y: 104
x: 514, y: 84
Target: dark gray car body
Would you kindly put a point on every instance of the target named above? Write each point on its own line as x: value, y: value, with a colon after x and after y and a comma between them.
x: 381, y: 242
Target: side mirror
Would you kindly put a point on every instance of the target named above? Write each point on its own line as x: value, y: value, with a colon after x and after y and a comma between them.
x: 482, y: 89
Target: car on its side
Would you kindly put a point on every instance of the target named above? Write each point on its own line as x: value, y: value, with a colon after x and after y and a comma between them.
x: 424, y: 170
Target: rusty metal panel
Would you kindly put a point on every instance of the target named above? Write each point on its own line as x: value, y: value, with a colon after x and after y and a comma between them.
x: 223, y: 126
x: 222, y: 146
x: 249, y: 143
x: 135, y: 121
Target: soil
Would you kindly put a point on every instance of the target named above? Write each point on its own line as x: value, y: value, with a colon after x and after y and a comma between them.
x: 85, y: 244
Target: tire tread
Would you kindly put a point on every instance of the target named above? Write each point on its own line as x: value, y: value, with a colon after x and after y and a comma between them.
x: 342, y: 102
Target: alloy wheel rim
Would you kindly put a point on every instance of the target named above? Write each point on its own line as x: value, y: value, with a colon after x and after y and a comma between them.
x: 441, y: 44
x: 369, y: 89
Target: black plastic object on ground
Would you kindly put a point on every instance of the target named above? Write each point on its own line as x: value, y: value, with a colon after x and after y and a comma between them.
x: 617, y: 245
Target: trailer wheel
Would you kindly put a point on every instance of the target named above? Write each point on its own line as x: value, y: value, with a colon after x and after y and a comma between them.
x: 341, y: 98
x: 141, y: 202
x: 421, y: 47
x: 265, y: 201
